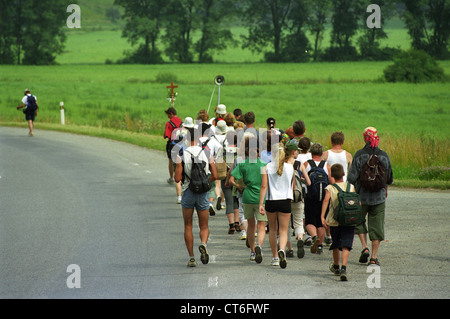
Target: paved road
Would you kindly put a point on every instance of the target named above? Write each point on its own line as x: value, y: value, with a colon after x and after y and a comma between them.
x: 105, y: 206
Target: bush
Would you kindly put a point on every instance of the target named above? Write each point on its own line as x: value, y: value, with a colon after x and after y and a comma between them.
x: 414, y: 67
x: 340, y: 54
x: 434, y: 173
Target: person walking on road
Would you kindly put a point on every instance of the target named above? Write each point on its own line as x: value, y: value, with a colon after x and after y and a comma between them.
x: 191, y: 200
x: 250, y: 171
x: 30, y: 109
x: 373, y: 199
x: 173, y: 123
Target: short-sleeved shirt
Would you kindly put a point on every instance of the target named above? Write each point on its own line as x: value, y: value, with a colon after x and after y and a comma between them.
x: 250, y: 172
x: 334, y: 201
x: 169, y: 127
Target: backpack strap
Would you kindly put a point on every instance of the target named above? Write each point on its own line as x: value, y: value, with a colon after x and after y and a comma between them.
x: 322, y: 164
x: 348, y: 187
x: 312, y: 163
x: 338, y: 188
x: 172, y: 124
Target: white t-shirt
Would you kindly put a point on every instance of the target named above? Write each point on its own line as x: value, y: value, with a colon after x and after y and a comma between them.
x: 192, y: 150
x: 303, y: 157
x: 279, y: 187
x: 25, y: 99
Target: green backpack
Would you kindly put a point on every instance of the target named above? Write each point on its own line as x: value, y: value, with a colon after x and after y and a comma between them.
x: 348, y: 212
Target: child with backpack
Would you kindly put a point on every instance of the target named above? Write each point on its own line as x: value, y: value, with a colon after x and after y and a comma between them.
x: 319, y: 173
x: 342, y: 233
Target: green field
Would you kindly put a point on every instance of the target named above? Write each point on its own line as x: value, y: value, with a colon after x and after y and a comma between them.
x: 127, y: 102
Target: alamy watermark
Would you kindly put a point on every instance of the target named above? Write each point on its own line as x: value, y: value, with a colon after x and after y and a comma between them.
x: 74, y: 20
x: 374, y: 279
x: 74, y: 279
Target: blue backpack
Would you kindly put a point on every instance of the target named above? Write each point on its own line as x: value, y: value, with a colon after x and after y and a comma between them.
x: 31, y: 103
x: 319, y: 180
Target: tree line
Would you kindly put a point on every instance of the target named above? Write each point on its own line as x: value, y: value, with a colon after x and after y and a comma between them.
x: 278, y: 29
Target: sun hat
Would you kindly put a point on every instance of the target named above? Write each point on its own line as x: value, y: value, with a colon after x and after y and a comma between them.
x: 221, y: 109
x: 188, y: 122
x: 221, y: 128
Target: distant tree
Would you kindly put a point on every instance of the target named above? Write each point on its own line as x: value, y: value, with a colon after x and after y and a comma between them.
x: 7, y: 32
x: 113, y: 14
x: 317, y: 21
x: 345, y: 23
x: 214, y: 37
x: 369, y: 41
x: 30, y: 38
x: 182, y: 21
x: 274, y: 24
x: 428, y: 23
x: 143, y: 23
x: 43, y: 37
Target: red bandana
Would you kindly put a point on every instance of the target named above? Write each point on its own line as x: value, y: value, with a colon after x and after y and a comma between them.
x: 370, y: 135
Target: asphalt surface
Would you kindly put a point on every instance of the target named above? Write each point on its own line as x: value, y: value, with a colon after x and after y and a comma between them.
x: 106, y: 207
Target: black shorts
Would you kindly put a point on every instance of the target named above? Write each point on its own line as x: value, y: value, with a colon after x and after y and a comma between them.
x: 30, y: 116
x: 342, y: 237
x: 282, y: 206
x: 169, y: 147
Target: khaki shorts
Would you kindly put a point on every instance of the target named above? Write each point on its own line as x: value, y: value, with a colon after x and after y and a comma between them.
x: 375, y: 221
x: 252, y: 211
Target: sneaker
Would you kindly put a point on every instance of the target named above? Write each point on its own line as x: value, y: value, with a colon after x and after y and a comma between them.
x: 243, y: 235
x: 237, y: 226
x: 320, y: 249
x: 335, y: 269
x: 230, y: 231
x: 343, y: 274
x: 258, y: 257
x: 179, y: 200
x: 252, y: 256
x: 275, y: 262
x: 315, y: 243
x: 204, y: 254
x: 282, y: 256
x: 171, y: 181
x: 212, y: 211
x: 308, y: 240
x: 219, y: 203
x: 290, y: 253
x: 328, y: 241
x: 300, y: 249
x: 192, y: 262
x: 364, y: 255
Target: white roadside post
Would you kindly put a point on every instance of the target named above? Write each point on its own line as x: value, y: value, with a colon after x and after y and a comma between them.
x: 63, y: 120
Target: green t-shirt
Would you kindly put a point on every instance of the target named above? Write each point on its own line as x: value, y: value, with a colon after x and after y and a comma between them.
x: 250, y: 172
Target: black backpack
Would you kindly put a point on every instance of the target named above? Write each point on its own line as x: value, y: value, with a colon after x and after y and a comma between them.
x: 319, y: 180
x: 198, y: 180
x: 373, y: 174
x: 31, y: 103
x: 348, y: 211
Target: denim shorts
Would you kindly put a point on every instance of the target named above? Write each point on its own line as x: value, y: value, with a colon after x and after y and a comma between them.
x: 197, y: 201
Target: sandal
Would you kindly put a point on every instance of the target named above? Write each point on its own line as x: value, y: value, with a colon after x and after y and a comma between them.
x: 374, y: 261
x: 364, y: 255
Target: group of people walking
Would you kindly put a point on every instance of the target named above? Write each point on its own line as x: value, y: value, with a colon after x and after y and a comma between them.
x: 275, y: 181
